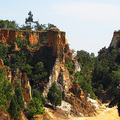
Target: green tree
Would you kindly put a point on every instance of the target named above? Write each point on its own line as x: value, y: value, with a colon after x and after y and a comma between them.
x: 8, y: 24
x: 54, y: 95
x: 14, y: 109
x: 29, y: 20
x: 6, y: 91
x: 19, y: 95
x: 39, y: 26
x: 39, y: 72
x: 4, y: 51
x: 38, y: 95
x: 17, y: 102
x: 35, y: 107
x: 49, y: 26
x: 84, y: 77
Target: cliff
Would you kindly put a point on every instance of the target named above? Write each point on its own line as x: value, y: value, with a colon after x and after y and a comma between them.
x: 54, y: 54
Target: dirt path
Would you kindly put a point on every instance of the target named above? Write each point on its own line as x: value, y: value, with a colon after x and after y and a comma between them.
x: 107, y: 114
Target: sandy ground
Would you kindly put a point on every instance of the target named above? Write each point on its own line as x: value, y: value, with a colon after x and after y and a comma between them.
x: 107, y: 114
x: 104, y: 113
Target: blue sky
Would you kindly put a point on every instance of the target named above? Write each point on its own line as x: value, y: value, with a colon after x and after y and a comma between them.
x: 89, y: 24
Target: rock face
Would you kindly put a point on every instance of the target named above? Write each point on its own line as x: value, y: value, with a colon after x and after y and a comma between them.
x: 114, y: 41
x: 33, y: 36
x: 61, y: 76
x: 57, y: 40
x: 77, y: 67
x: 78, y: 92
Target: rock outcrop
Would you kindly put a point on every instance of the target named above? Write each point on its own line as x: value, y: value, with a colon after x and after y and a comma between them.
x: 77, y: 67
x: 115, y: 40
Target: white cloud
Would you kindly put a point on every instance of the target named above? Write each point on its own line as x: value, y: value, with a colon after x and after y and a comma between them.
x: 91, y: 11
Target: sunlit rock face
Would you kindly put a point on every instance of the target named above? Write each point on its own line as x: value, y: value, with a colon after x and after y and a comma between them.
x: 34, y: 37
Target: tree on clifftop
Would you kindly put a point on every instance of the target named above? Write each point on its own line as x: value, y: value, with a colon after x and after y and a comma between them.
x: 29, y: 20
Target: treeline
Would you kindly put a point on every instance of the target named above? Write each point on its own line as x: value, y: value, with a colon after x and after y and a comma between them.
x: 30, y: 24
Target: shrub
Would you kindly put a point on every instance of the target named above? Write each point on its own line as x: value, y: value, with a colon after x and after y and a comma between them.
x: 20, y: 42
x: 35, y: 107
x: 54, y: 95
x: 38, y: 95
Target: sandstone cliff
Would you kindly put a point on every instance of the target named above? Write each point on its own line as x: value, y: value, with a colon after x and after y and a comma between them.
x: 54, y: 53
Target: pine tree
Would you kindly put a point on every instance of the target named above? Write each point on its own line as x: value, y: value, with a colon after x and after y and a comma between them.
x: 14, y: 108
x: 19, y: 94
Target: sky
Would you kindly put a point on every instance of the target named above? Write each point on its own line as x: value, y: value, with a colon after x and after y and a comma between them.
x: 89, y: 24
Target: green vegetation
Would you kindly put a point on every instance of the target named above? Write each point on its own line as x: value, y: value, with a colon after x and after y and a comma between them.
x: 35, y: 107
x: 4, y: 51
x: 14, y: 109
x: 54, y: 95
x: 84, y: 77
x: 38, y: 95
x: 39, y: 73
x: 20, y: 42
x: 70, y: 66
x: 6, y: 91
x: 30, y: 24
x: 105, y: 65
x: 8, y: 24
x: 17, y: 102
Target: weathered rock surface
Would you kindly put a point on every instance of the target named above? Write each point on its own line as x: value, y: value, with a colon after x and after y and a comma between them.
x: 33, y: 36
x: 77, y: 67
x: 61, y: 76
